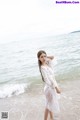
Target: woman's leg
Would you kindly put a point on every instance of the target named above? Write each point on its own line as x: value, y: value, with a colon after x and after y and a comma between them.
x: 46, y: 114
x: 51, y: 115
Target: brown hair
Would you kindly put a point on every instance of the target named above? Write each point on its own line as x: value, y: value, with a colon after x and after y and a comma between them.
x: 39, y: 62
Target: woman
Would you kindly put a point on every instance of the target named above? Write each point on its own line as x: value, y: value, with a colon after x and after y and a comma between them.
x: 51, y: 88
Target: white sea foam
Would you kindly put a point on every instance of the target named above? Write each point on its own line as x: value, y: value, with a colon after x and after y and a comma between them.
x: 9, y: 90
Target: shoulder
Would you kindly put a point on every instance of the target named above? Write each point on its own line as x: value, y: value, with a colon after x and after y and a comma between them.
x: 43, y: 68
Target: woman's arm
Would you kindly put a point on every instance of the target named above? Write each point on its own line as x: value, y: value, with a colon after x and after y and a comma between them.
x: 50, y: 81
x: 58, y: 90
x: 45, y: 76
x: 55, y: 85
x: 50, y: 57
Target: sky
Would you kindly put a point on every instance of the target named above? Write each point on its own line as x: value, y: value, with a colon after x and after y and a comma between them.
x: 20, y: 19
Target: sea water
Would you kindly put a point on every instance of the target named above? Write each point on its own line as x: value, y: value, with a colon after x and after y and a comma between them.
x: 19, y: 64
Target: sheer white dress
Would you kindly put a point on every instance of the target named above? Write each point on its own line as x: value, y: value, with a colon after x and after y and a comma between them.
x: 51, y: 96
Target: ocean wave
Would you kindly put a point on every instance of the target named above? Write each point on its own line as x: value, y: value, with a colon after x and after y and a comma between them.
x: 9, y: 90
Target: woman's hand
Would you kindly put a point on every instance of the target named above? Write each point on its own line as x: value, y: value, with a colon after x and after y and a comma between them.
x: 58, y: 90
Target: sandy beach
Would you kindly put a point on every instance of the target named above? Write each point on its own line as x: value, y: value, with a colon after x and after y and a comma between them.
x: 31, y: 105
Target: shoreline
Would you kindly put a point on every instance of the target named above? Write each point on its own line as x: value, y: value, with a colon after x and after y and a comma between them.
x: 32, y: 103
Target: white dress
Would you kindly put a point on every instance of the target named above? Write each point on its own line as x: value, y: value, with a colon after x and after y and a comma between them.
x: 51, y: 96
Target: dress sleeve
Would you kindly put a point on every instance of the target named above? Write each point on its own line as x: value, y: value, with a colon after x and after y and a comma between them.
x: 45, y: 76
x: 55, y: 83
x: 48, y: 79
x: 52, y: 63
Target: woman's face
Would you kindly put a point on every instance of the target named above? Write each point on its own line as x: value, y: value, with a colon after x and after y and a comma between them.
x: 43, y: 58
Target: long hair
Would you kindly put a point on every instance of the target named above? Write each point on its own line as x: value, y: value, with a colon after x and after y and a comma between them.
x: 39, y: 62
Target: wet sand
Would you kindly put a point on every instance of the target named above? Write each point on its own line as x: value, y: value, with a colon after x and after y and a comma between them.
x: 31, y: 105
